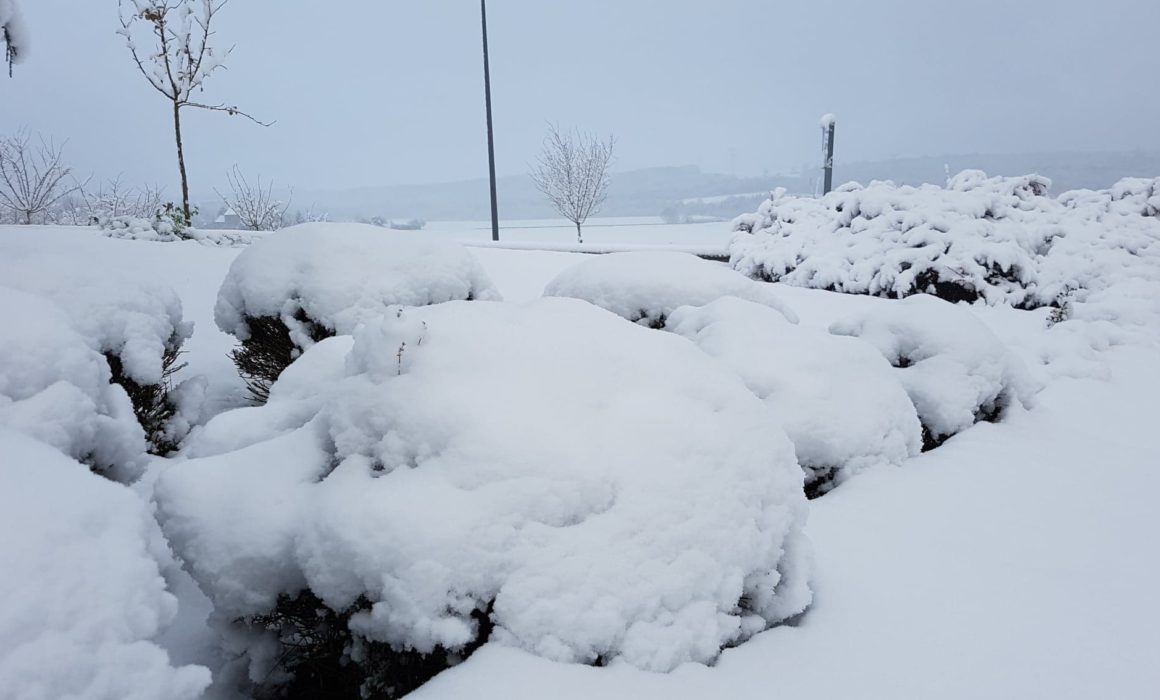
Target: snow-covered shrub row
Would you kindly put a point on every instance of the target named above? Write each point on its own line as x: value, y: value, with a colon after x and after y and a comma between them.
x: 996, y: 239
x: 545, y: 476
x: 840, y: 402
x: 163, y: 229
x: 138, y: 229
x: 955, y: 369
x: 55, y: 387
x: 646, y: 286
x: 139, y: 328
x: 81, y: 595
x: 308, y: 282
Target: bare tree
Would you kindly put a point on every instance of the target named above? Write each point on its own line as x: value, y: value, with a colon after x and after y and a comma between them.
x: 33, y: 177
x: 178, y: 59
x: 256, y: 207
x: 572, y: 172
x: 115, y: 199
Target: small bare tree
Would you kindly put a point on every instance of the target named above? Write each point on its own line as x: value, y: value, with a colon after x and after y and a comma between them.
x: 572, y: 172
x: 114, y: 198
x: 178, y: 58
x: 256, y: 207
x: 33, y: 177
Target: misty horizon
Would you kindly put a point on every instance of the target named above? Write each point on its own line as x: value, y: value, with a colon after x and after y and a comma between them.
x: 381, y: 95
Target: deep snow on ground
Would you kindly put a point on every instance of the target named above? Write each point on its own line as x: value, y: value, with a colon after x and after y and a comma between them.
x: 1014, y: 561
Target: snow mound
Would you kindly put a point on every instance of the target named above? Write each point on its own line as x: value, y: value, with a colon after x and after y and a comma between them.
x: 81, y: 594
x: 995, y: 239
x: 137, y: 322
x: 341, y: 275
x: 138, y: 326
x: 839, y: 401
x: 56, y: 388
x: 134, y: 228
x: 955, y: 369
x: 645, y: 287
x: 605, y: 491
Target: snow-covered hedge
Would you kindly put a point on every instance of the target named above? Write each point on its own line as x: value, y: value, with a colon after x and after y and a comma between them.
x: 840, y: 402
x: 81, y: 595
x: 545, y: 476
x: 955, y: 369
x: 996, y: 239
x: 308, y: 282
x: 139, y: 328
x: 646, y: 286
x: 55, y: 387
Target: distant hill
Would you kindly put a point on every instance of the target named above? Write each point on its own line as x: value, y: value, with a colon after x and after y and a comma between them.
x: 687, y: 192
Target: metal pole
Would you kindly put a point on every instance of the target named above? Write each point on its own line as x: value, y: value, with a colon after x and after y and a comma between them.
x: 490, y: 135
x: 829, y: 165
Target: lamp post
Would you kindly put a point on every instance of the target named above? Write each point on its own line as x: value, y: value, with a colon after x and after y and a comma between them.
x: 490, y: 135
x: 828, y: 122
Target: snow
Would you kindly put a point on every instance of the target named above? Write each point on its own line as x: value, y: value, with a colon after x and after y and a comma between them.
x: 81, y: 594
x: 1003, y: 240
x: 55, y: 388
x: 618, y: 500
x: 1016, y: 561
x: 645, y: 287
x: 954, y: 368
x: 827, y: 121
x: 839, y: 401
x: 135, y: 321
x: 341, y: 275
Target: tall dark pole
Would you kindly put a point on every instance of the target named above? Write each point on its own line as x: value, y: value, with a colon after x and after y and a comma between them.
x: 490, y: 134
x: 828, y: 123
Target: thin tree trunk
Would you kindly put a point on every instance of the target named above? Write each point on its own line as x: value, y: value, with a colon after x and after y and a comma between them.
x: 579, y: 236
x: 181, y: 164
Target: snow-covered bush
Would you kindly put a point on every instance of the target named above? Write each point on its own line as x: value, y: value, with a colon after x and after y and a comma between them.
x: 167, y: 224
x: 839, y: 401
x: 545, y: 476
x: 56, y: 388
x: 138, y: 327
x: 81, y: 595
x: 995, y: 239
x: 955, y: 369
x: 645, y: 287
x: 308, y: 282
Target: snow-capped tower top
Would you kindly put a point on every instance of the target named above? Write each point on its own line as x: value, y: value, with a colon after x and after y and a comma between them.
x: 827, y: 120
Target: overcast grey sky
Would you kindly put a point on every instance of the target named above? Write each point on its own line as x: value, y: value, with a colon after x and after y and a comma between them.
x: 384, y: 92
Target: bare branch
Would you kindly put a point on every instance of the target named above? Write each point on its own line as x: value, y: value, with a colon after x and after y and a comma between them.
x: 32, y: 177
x: 228, y: 109
x: 256, y: 207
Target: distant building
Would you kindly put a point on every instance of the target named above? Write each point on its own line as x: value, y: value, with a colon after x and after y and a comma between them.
x: 228, y: 219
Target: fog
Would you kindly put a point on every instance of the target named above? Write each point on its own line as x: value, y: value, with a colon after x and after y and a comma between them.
x: 377, y: 93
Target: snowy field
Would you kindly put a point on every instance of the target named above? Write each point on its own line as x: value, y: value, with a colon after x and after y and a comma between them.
x: 624, y: 499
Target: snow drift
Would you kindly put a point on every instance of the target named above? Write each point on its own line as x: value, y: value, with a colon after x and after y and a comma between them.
x: 81, y: 594
x: 645, y: 287
x: 625, y: 499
